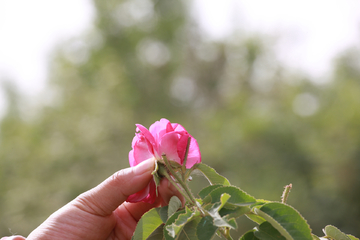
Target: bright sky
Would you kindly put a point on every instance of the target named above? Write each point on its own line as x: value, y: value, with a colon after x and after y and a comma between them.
x: 311, y: 32
x: 30, y: 29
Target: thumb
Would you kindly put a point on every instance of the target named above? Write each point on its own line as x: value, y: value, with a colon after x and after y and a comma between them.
x: 107, y: 196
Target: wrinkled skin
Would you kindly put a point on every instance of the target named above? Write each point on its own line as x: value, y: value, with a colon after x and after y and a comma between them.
x: 163, y: 137
x: 102, y: 213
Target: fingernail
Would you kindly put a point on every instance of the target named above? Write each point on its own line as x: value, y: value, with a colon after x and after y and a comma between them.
x: 145, y: 166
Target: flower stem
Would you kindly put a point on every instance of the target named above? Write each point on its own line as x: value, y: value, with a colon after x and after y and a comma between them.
x: 226, y: 233
x: 286, y: 193
x: 180, y: 181
x: 183, y: 168
x: 163, y: 172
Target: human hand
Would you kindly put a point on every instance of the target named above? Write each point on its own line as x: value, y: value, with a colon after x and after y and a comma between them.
x: 102, y: 213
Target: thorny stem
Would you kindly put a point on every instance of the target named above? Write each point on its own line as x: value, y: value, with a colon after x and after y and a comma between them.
x: 189, y: 196
x: 179, y: 180
x: 286, y: 193
x: 164, y: 172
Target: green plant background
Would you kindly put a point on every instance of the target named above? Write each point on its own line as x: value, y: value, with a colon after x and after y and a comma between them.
x: 233, y: 96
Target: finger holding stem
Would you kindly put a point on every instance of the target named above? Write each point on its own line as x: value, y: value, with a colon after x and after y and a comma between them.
x: 163, y: 172
x: 180, y: 181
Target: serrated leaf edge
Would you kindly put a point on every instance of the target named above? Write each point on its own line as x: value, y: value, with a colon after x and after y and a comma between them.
x: 277, y: 225
x: 329, y: 228
x: 175, y: 225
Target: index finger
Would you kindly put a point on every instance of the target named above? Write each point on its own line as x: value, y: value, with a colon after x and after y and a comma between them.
x: 107, y: 196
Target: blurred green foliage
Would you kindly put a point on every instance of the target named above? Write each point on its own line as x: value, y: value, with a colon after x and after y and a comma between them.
x: 257, y: 123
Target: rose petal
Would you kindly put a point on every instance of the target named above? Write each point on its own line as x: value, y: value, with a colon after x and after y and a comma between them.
x: 146, y: 134
x: 169, y: 127
x: 194, y: 155
x: 168, y: 146
x: 132, y: 159
x: 151, y: 197
x: 148, y: 194
x: 141, y: 152
x: 181, y: 146
x: 178, y: 127
x: 162, y: 137
x: 158, y: 129
x: 140, y: 195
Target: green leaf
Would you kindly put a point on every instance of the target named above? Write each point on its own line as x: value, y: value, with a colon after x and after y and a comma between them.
x: 224, y: 222
x: 205, y: 191
x: 156, y: 168
x: 156, y: 177
x: 238, y: 197
x: 255, y: 218
x: 352, y: 237
x: 180, y: 222
x: 158, y: 234
x: 185, y: 217
x: 212, y: 176
x: 286, y: 220
x: 148, y: 223
x: 234, y: 212
x: 267, y: 232
x: 163, y: 213
x: 249, y: 236
x: 189, y: 231
x: 223, y: 199
x: 173, y: 230
x: 261, y: 202
x: 199, y: 201
x: 206, y: 229
x: 170, y: 221
x: 219, y: 221
x: 213, y: 209
x: 334, y: 233
x: 315, y: 237
x: 174, y: 165
x: 174, y: 205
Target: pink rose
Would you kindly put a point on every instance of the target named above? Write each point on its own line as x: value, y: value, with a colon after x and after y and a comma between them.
x: 163, y: 137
